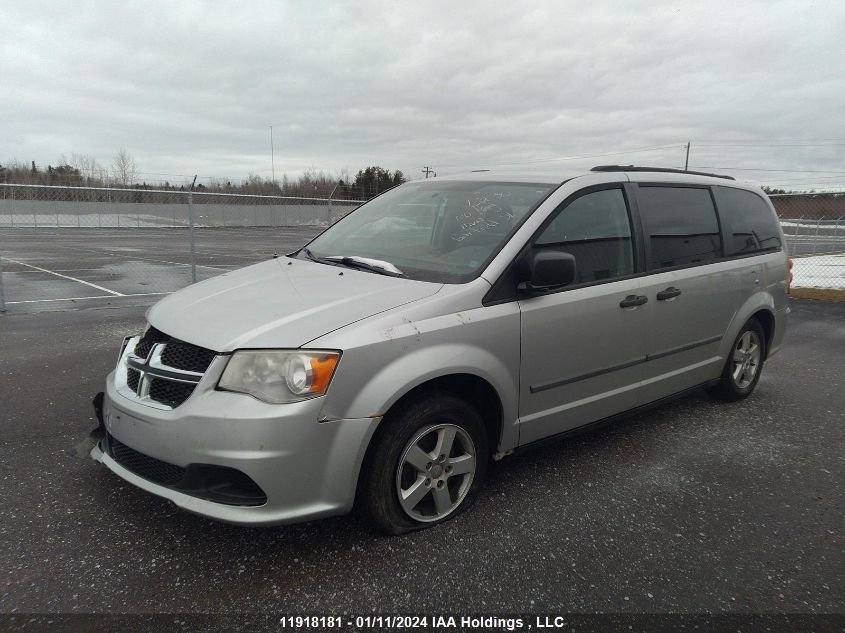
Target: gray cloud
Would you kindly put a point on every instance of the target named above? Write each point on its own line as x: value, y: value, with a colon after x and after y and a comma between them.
x: 192, y: 87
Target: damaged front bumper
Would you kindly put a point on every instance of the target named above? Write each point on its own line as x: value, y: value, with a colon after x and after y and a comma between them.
x: 205, y: 454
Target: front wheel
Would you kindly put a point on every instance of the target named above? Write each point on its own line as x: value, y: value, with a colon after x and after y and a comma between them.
x: 427, y: 463
x: 744, y: 364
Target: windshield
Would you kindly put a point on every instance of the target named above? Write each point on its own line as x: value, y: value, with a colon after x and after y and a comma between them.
x: 444, y: 231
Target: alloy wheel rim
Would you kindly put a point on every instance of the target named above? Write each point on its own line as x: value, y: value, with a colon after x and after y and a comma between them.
x: 746, y: 359
x: 435, y: 472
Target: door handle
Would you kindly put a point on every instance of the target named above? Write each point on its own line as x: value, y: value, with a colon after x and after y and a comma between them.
x: 632, y: 301
x: 670, y: 293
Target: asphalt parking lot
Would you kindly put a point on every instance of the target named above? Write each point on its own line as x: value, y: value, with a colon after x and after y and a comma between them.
x: 58, y: 268
x: 692, y: 507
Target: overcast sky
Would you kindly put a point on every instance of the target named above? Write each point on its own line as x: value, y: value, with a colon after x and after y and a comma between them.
x: 190, y: 87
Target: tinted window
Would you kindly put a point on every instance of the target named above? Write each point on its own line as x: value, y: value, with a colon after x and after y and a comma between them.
x: 748, y: 222
x: 681, y: 224
x: 594, y: 229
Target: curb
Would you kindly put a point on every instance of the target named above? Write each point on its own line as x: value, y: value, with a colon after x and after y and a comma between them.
x: 821, y: 294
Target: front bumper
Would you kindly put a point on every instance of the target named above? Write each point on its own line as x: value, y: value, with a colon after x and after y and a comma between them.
x: 307, y: 469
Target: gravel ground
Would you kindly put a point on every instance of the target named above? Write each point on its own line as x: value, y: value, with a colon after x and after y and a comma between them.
x: 695, y: 506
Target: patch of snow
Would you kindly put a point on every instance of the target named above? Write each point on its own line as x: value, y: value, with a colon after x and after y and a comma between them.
x: 819, y: 271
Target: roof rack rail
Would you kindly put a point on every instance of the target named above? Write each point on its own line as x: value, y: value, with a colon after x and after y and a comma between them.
x: 660, y: 169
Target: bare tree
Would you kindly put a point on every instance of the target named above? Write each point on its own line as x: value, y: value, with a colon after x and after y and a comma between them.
x: 124, y: 168
x: 91, y: 171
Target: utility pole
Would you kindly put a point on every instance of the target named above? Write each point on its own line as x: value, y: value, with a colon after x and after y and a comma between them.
x: 272, y: 157
x: 686, y: 163
x: 428, y: 170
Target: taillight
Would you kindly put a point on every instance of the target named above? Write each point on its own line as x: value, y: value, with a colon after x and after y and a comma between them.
x: 789, y: 264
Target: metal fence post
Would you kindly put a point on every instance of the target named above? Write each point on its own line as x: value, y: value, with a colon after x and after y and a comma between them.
x: 2, y: 296
x: 816, y: 241
x: 191, y: 231
x: 329, y: 219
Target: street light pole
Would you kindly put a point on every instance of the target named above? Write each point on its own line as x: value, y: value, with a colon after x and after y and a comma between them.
x: 272, y: 156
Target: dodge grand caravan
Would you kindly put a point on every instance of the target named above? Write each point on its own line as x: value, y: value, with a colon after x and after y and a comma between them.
x: 443, y: 324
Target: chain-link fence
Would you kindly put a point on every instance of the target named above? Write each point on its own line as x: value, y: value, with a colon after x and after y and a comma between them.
x: 71, y: 243
x: 33, y: 206
x: 814, y: 227
x: 62, y: 244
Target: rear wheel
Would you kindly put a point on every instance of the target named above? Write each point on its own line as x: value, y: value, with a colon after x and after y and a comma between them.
x: 427, y: 464
x: 744, y: 364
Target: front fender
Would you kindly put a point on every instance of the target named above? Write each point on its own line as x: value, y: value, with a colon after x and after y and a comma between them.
x: 385, y: 359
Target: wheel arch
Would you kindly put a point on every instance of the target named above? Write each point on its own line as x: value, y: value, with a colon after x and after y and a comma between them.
x: 472, y: 388
x: 766, y: 319
x: 759, y: 306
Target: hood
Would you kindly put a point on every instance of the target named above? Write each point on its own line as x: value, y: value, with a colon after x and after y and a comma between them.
x: 279, y: 303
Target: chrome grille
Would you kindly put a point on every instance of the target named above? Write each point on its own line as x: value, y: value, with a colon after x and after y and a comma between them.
x: 169, y: 392
x: 150, y: 338
x: 186, y: 356
x: 161, y: 371
x: 133, y: 378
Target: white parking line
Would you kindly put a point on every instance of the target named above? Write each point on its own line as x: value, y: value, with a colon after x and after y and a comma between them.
x: 87, y: 283
x: 140, y: 294
x: 59, y: 270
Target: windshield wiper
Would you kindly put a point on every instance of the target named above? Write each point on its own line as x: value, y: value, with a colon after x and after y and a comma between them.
x: 354, y: 261
x: 365, y: 263
x: 320, y: 260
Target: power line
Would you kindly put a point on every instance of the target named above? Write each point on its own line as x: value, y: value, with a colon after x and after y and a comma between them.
x: 769, y: 144
x: 770, y: 140
x: 581, y: 157
x: 828, y: 182
x: 791, y: 171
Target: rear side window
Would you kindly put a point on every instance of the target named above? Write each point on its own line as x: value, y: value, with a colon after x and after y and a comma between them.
x: 681, y: 225
x: 748, y: 222
x: 595, y: 229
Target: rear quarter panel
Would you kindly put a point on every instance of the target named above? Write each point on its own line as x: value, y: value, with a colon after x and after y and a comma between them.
x: 769, y: 295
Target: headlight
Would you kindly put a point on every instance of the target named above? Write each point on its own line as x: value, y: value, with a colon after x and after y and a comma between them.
x: 279, y: 376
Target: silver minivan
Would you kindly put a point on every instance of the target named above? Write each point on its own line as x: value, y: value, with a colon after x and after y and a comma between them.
x: 443, y: 324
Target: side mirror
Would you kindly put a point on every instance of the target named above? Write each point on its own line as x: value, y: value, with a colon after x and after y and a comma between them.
x: 548, y: 270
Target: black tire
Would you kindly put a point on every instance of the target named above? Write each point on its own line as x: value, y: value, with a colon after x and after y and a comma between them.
x: 729, y: 388
x: 381, y: 481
